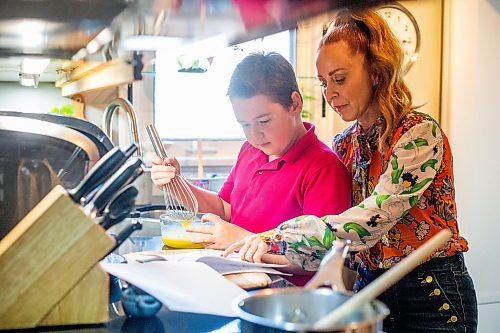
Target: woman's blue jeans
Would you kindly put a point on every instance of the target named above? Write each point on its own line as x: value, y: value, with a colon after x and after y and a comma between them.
x: 438, y: 296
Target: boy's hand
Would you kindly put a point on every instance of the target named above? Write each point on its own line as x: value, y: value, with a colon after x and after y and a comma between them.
x: 219, y: 235
x: 163, y: 171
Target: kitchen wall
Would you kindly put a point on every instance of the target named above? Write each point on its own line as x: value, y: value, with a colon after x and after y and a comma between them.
x: 471, y: 117
x: 15, y: 97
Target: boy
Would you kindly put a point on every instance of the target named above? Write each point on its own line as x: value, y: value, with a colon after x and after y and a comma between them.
x: 282, y: 170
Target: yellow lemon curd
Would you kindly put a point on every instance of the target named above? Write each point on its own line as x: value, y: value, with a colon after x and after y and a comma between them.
x: 182, y: 243
x: 182, y: 240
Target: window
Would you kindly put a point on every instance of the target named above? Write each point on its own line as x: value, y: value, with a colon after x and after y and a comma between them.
x: 190, y: 93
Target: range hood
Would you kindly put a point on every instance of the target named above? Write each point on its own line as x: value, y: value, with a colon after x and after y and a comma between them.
x: 53, y: 28
x: 104, y: 31
x: 61, y: 28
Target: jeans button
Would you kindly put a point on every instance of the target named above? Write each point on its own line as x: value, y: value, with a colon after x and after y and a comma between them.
x: 445, y: 307
x: 428, y: 279
x: 435, y: 292
x: 453, y: 319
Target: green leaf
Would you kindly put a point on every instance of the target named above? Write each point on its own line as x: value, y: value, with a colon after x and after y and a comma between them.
x: 296, y: 246
x: 413, y: 200
x: 404, y: 213
x: 430, y: 163
x: 313, y: 241
x: 395, y: 175
x: 394, y: 162
x: 361, y: 205
x: 67, y: 110
x: 417, y: 186
x: 300, y: 218
x: 421, y: 142
x: 381, y: 198
x: 362, y: 232
x: 434, y: 129
x: 328, y: 238
x: 417, y: 142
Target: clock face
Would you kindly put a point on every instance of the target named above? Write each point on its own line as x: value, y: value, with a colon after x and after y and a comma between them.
x: 405, y: 27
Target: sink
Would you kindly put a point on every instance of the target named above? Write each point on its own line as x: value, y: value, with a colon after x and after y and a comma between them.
x: 150, y: 227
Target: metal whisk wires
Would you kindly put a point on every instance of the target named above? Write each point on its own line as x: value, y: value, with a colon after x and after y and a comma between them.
x: 180, y: 202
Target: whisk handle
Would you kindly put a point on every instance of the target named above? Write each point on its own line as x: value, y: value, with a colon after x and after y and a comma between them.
x: 156, y: 141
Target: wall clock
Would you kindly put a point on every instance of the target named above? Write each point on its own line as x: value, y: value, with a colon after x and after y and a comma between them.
x: 405, y: 27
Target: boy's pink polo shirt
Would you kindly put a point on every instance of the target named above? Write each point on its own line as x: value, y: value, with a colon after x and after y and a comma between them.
x: 308, y: 179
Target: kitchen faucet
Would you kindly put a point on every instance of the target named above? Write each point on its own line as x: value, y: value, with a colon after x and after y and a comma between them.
x: 132, y: 120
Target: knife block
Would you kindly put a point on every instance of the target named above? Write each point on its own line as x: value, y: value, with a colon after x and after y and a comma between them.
x: 49, y: 272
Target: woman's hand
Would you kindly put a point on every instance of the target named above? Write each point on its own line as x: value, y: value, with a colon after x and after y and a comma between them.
x: 220, y: 235
x: 163, y: 171
x: 251, y: 248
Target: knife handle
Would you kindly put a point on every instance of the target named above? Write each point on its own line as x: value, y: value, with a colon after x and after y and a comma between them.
x: 124, y: 176
x: 106, y: 166
x: 124, y: 234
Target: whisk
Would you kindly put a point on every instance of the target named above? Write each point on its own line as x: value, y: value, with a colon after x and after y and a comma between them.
x: 180, y: 202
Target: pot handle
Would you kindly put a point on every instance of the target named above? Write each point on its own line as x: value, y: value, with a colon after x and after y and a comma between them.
x: 330, y: 270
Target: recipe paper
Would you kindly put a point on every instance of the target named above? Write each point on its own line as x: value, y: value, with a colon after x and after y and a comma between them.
x: 223, y: 265
x: 181, y: 286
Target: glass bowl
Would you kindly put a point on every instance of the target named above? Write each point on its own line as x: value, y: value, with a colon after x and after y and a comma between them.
x: 174, y: 234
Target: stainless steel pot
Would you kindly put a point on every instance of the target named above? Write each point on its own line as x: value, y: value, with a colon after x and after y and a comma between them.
x: 298, y: 309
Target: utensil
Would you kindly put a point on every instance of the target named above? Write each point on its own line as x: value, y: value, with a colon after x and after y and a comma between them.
x: 124, y: 234
x: 119, y: 207
x: 330, y: 270
x: 103, y: 169
x: 177, y: 191
x: 384, y: 281
x: 151, y: 211
x: 124, y: 176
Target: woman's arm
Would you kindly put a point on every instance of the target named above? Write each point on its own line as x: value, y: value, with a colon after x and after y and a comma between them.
x: 414, y: 162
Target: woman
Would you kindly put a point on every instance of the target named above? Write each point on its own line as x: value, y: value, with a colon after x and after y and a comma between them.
x: 402, y: 184
x: 282, y: 170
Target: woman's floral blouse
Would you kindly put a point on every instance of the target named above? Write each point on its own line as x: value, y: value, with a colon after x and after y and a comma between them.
x: 400, y: 199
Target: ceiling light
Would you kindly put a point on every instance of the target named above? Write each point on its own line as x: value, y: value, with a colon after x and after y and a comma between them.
x: 32, y: 33
x: 34, y: 65
x: 29, y: 80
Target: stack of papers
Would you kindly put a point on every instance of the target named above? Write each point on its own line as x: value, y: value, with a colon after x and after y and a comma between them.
x: 181, y: 286
x: 223, y: 265
x: 188, y: 280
